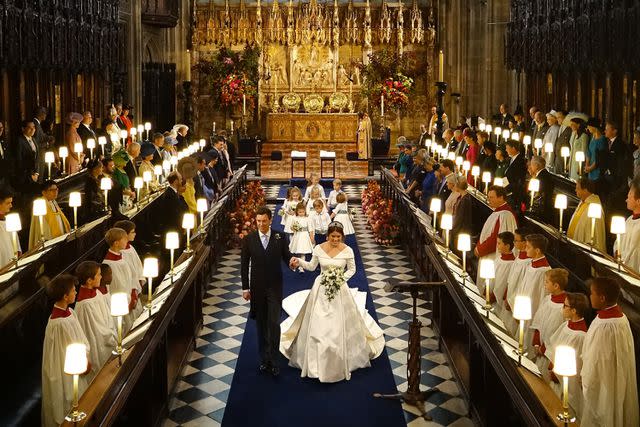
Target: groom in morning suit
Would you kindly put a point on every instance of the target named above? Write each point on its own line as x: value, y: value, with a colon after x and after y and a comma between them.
x: 263, y: 249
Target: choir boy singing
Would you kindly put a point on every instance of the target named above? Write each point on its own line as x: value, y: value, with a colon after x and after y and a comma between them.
x: 609, y: 390
x: 129, y: 253
x: 630, y: 241
x: 549, y: 316
x: 62, y: 330
x: 519, y: 266
x: 94, y: 314
x: 124, y: 279
x: 503, y: 264
x: 532, y: 282
x: 570, y: 333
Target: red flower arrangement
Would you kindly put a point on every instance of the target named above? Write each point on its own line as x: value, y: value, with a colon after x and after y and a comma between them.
x: 379, y: 212
x: 232, y: 87
x: 243, y: 216
x: 396, y: 91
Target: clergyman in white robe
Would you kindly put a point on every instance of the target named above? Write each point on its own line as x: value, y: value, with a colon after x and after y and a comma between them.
x: 630, y: 243
x: 580, y: 225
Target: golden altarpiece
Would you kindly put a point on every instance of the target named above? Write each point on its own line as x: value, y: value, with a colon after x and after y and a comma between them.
x: 309, y: 86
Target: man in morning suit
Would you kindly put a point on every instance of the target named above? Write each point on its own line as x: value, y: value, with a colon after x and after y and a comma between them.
x: 447, y: 168
x: 173, y: 204
x: 618, y: 168
x: 542, y: 207
x: 26, y: 158
x: 263, y: 249
x: 515, y: 174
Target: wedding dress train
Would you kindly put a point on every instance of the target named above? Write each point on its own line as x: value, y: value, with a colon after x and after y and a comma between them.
x: 329, y: 339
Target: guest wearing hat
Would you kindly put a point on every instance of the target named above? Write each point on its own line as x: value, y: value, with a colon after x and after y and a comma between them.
x: 119, y: 176
x: 596, y: 151
x: 147, y: 152
x: 550, y: 137
x: 112, y: 131
x: 71, y: 137
x: 169, y: 147
x: 181, y: 135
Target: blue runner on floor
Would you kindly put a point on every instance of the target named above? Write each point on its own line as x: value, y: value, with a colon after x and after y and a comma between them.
x: 257, y: 399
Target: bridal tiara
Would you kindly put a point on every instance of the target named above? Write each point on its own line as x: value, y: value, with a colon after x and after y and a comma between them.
x: 336, y: 224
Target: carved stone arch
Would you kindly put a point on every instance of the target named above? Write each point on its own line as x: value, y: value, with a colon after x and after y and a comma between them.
x: 151, y: 51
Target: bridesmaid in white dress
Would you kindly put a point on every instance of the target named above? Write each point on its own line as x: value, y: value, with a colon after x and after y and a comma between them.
x: 329, y: 339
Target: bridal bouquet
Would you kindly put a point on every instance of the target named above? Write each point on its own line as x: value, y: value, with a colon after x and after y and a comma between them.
x: 295, y: 227
x: 332, y: 278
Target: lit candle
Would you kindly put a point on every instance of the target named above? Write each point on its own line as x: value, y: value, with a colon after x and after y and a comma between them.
x: 75, y: 201
x: 464, y: 246
x: 63, y: 152
x: 40, y: 210
x: 435, y: 207
x: 214, y: 127
x: 486, y: 178
x: 188, y: 66
x: 244, y: 104
x: 147, y: 127
x: 13, y: 225
x: 150, y: 270
x: 561, y: 205
x: 381, y: 104
x: 565, y: 153
x: 91, y: 144
x: 49, y: 158
x: 487, y: 272
x: 521, y: 312
x: 102, y: 141
x: 172, y: 242
x: 534, y: 187
x: 475, y: 173
x: 188, y: 223
x: 440, y: 66
x: 537, y: 144
x: 446, y: 223
x: 618, y: 227
x: 580, y: 159
x: 594, y: 212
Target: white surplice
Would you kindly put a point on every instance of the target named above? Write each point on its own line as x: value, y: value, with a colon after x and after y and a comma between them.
x: 503, y: 265
x: 130, y: 255
x: 630, y: 244
x: 6, y: 244
x: 57, y: 387
x: 609, y: 374
x: 124, y: 281
x: 532, y: 286
x: 515, y: 276
x: 329, y: 339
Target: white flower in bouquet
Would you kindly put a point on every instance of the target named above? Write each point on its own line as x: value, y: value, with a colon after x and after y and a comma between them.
x: 295, y: 227
x: 332, y: 279
x: 282, y: 212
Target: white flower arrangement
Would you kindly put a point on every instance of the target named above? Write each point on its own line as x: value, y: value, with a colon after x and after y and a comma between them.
x: 282, y: 212
x: 332, y: 278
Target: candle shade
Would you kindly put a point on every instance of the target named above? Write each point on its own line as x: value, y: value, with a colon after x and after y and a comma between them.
x: 579, y: 156
x: 63, y: 152
x: 488, y: 128
x: 114, y: 137
x: 548, y: 147
x: 102, y: 140
x: 75, y: 199
x: 119, y: 304
x: 138, y: 183
x: 459, y: 161
x: 594, y: 211
x: 506, y: 134
x: 133, y: 131
x: 123, y: 134
x: 498, y: 181
x: 166, y: 166
x: 498, y: 131
x: 561, y: 201
x: 188, y: 221
x: 451, y: 156
x: 105, y: 184
x: 564, y: 361
x: 565, y: 152
x: 172, y: 240
x: 78, y: 148
x: 618, y: 225
x: 487, y: 269
x: 147, y: 126
x: 537, y: 143
x: 140, y: 129
x: 201, y: 205
x: 157, y: 170
x: 446, y: 221
x: 515, y: 136
x: 486, y: 177
x: 13, y: 223
x: 466, y: 166
x: 526, y: 140
x: 435, y: 205
x: 91, y: 143
x: 75, y: 359
x: 522, y: 308
x: 428, y: 143
x: 174, y: 161
x: 475, y: 171
x: 203, y: 143
x: 147, y: 176
x: 39, y: 207
x: 534, y: 185
x: 150, y: 267
x: 49, y: 157
x: 482, y: 126
x: 464, y: 242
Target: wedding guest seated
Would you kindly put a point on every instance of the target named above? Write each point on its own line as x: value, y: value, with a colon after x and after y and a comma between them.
x: 571, y: 333
x: 425, y: 193
x: 93, y: 202
x: 462, y: 211
x: 532, y: 283
x: 580, y: 224
x: 542, y: 207
x: 62, y: 330
x: 548, y: 318
x: 94, y: 315
x: 54, y: 223
x: 6, y: 240
x: 610, y: 391
x: 630, y: 241
x: 501, y: 219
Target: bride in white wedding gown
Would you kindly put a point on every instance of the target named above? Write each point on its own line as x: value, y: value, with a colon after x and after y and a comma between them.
x: 329, y: 339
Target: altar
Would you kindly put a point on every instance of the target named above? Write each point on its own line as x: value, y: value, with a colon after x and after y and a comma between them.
x: 311, y: 132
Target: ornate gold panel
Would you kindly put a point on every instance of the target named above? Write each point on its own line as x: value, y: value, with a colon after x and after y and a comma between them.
x: 312, y: 127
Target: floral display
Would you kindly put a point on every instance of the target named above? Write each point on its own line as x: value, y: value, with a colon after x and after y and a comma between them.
x: 231, y: 75
x: 243, y: 216
x: 332, y: 278
x: 396, y: 91
x: 379, y: 212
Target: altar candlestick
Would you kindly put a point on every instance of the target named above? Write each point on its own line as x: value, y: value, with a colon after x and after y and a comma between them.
x: 441, y: 67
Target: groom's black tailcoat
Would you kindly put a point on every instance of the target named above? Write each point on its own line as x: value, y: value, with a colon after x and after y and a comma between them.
x: 265, y: 283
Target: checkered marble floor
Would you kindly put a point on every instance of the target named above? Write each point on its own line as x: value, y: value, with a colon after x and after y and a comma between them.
x: 202, y: 392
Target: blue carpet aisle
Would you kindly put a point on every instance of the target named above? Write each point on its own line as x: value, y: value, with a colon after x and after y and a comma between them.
x: 203, y: 392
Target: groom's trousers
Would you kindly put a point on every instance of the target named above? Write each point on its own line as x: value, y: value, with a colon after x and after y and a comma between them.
x: 268, y: 309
